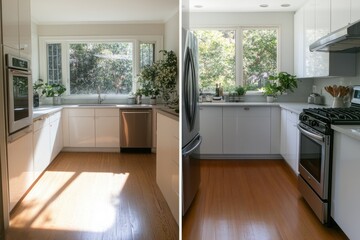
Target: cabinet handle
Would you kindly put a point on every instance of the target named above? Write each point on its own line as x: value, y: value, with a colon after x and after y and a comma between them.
x: 246, y: 108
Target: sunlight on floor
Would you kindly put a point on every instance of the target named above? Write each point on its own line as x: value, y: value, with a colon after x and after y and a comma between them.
x: 75, y: 194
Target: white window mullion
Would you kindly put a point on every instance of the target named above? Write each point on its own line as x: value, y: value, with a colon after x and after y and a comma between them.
x: 239, y: 57
x: 65, y: 66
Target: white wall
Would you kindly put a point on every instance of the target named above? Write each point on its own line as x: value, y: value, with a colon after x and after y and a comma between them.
x: 171, y: 34
x: 100, y: 29
x: 284, y: 20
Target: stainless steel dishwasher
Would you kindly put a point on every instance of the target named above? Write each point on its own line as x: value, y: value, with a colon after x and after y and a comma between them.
x: 135, y: 129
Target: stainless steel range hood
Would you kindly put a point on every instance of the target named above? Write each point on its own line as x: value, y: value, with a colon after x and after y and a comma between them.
x: 345, y: 40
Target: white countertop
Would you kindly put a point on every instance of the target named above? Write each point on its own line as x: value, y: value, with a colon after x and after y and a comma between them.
x: 295, y: 107
x: 352, y: 131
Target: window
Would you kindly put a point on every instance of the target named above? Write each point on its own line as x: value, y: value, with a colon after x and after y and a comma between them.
x: 92, y: 65
x: 147, y: 54
x: 101, y: 67
x: 54, y: 63
x: 241, y: 56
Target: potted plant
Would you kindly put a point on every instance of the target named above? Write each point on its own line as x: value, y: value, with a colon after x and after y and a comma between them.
x: 148, y: 84
x: 278, y: 84
x: 53, y: 91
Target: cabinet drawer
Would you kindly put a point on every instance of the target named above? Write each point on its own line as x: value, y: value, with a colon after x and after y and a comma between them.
x: 292, y: 117
x: 84, y: 112
x: 40, y: 123
x: 248, y: 111
x: 54, y: 117
x: 107, y: 112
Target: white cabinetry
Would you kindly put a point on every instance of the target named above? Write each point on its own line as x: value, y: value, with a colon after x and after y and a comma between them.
x: 107, y: 132
x: 42, y: 148
x: 16, y: 26
x: 340, y: 13
x: 211, y: 130
x: 299, y: 43
x: 91, y: 127
x: 167, y: 161
x: 345, y: 191
x: 309, y: 38
x: 246, y: 130
x: 56, y: 134
x: 290, y: 138
x: 20, y: 167
x: 82, y: 127
x: 355, y: 10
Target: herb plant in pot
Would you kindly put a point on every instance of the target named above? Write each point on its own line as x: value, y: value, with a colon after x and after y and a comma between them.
x: 53, y: 91
x: 278, y: 84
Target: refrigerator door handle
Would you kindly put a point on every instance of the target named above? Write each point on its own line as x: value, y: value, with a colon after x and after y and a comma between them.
x: 192, y: 146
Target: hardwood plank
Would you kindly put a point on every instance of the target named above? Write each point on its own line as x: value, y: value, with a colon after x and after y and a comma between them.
x: 251, y: 200
x: 95, y: 196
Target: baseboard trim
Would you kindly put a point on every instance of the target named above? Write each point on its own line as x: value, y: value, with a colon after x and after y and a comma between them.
x: 90, y: 149
x: 240, y: 156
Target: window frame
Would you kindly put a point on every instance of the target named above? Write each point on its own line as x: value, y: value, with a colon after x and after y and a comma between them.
x: 239, y: 48
x: 65, y: 41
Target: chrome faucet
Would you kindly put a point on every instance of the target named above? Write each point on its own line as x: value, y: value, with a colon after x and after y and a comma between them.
x: 100, y: 100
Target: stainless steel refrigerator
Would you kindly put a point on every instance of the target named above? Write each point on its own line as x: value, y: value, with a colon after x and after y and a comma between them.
x: 191, y: 138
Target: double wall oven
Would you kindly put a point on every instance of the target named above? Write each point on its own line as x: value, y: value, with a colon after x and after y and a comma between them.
x: 19, y: 96
x: 315, y: 152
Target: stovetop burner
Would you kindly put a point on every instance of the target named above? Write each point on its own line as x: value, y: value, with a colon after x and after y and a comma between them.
x: 335, y: 115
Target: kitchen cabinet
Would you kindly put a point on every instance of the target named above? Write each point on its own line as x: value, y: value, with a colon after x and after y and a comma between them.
x: 167, y: 161
x: 20, y: 167
x: 16, y: 26
x: 246, y: 130
x: 345, y: 191
x: 42, y: 147
x: 82, y: 127
x: 340, y: 13
x: 290, y: 138
x: 91, y: 127
x: 211, y: 130
x: 56, y: 134
x: 310, y: 37
x: 355, y: 11
x: 107, y: 123
x: 299, y: 44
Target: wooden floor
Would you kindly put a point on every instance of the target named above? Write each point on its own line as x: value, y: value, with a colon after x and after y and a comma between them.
x: 251, y: 200
x: 95, y: 196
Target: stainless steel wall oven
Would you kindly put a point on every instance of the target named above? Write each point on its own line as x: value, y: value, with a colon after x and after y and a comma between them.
x: 19, y: 93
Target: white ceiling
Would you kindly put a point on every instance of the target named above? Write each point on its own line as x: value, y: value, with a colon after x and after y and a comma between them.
x: 245, y: 5
x: 84, y: 11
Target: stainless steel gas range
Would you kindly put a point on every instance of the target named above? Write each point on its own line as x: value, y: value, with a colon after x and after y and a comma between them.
x: 315, y: 152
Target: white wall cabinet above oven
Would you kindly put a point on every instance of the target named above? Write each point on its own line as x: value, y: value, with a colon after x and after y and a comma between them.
x: 16, y: 26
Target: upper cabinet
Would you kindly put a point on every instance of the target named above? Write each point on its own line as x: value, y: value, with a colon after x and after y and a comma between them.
x: 312, y: 22
x: 16, y: 26
x: 355, y: 11
x: 340, y: 13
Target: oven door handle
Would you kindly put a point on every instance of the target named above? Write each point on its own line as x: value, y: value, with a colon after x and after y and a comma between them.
x: 310, y: 134
x: 23, y: 73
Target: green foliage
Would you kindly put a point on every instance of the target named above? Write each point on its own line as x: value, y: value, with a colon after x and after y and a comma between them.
x: 240, y: 90
x: 105, y: 65
x: 160, y: 77
x: 280, y: 83
x: 49, y: 90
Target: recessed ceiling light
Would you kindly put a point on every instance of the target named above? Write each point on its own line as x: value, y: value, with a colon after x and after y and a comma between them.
x: 264, y: 5
x: 198, y: 6
x: 285, y: 5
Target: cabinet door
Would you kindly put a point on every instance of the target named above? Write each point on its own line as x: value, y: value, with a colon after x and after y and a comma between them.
x: 20, y: 167
x: 246, y: 130
x: 211, y: 130
x: 283, y: 140
x: 25, y: 29
x: 56, y: 138
x: 82, y: 131
x: 167, y: 161
x: 309, y: 31
x: 292, y: 137
x: 340, y: 14
x: 322, y: 22
x: 299, y: 43
x: 107, y: 131
x: 10, y: 23
x: 355, y: 10
x: 42, y: 148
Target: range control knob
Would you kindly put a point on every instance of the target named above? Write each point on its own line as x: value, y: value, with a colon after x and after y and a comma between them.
x: 304, y: 118
x: 314, y: 123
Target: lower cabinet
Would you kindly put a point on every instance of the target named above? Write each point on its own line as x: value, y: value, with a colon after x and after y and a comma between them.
x: 345, y: 196
x: 246, y: 130
x: 290, y: 138
x: 167, y: 161
x: 20, y: 167
x: 89, y: 127
x: 211, y: 130
x: 42, y: 146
